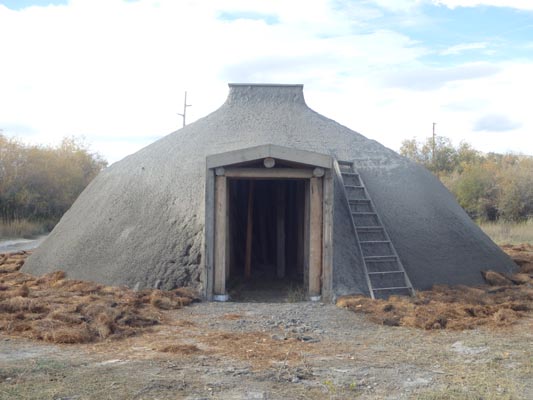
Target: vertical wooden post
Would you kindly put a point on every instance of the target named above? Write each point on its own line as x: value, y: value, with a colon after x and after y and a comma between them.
x: 229, y: 247
x: 280, y: 229
x: 300, y: 212
x: 307, y: 201
x: 221, y: 236
x: 315, y: 238
x: 261, y: 253
x: 327, y: 249
x: 249, y: 231
x: 209, y: 238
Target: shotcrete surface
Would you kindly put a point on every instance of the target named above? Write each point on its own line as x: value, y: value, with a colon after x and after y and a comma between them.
x: 140, y: 222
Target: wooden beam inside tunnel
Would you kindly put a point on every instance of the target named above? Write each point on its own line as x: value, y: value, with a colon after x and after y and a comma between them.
x: 249, y: 232
x: 280, y: 230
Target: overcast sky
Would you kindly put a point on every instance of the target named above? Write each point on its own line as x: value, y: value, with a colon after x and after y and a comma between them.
x: 114, y: 71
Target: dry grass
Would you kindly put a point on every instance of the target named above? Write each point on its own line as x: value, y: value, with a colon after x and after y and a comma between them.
x: 461, y: 307
x: 232, y: 317
x: 509, y: 232
x: 522, y: 254
x: 59, y: 310
x: 184, y: 349
x: 257, y: 348
x: 22, y: 228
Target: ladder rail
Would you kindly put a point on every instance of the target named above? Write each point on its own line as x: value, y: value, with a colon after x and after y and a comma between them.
x: 356, y: 235
x: 394, y: 254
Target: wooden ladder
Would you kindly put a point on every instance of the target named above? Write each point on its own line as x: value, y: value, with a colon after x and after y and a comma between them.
x: 384, y: 271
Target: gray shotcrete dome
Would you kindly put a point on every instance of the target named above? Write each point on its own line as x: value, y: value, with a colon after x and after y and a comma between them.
x: 266, y: 188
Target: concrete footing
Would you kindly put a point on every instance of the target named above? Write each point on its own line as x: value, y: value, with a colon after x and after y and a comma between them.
x: 220, y: 297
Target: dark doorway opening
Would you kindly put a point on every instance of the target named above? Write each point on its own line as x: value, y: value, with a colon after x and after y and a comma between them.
x: 273, y: 270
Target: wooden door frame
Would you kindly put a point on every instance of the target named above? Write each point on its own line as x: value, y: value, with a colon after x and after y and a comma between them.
x: 318, y: 244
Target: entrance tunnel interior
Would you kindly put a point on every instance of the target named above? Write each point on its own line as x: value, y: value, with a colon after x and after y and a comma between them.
x: 267, y: 215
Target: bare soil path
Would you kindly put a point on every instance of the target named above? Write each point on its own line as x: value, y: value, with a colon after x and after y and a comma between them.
x: 275, y: 351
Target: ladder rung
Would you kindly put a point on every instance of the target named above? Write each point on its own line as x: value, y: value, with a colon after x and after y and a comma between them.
x: 391, y: 288
x: 347, y: 170
x: 381, y: 258
x: 385, y: 272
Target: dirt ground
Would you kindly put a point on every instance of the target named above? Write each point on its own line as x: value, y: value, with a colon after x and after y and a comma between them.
x: 258, y: 350
x: 275, y: 351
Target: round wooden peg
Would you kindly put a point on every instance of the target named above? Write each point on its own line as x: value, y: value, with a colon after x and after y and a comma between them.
x: 269, y: 162
x: 318, y: 172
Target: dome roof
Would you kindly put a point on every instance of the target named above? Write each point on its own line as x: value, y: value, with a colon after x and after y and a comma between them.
x: 141, y: 221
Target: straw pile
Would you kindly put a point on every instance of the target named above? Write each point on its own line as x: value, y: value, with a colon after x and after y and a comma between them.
x: 59, y: 310
x: 503, y: 301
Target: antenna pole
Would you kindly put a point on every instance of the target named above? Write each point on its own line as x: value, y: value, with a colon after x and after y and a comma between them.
x: 185, y: 105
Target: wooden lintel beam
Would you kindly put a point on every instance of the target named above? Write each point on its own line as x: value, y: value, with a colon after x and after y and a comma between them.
x: 270, y: 173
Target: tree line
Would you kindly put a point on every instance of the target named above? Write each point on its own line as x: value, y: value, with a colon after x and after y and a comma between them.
x: 488, y: 186
x: 39, y: 183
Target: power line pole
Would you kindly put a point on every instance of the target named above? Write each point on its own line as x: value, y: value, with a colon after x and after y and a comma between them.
x: 434, y: 161
x: 185, y: 105
x: 433, y: 144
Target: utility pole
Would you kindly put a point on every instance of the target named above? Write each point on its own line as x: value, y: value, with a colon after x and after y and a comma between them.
x: 433, y: 144
x: 185, y: 105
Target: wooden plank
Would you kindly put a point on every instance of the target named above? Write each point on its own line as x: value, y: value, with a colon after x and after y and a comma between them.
x: 307, y: 198
x: 209, y: 236
x: 315, y: 237
x: 327, y: 242
x: 280, y: 230
x: 249, y: 231
x: 261, y: 235
x: 221, y: 219
x: 229, y: 249
x: 237, y: 156
x: 269, y: 173
x: 301, y: 156
x: 290, y: 234
x: 269, y: 150
x: 300, y: 211
x: 228, y: 259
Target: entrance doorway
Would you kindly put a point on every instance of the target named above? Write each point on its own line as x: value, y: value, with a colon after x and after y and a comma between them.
x: 267, y: 239
x: 268, y: 221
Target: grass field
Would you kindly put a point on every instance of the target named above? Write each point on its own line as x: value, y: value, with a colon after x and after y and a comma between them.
x: 23, y: 228
x: 500, y: 232
x: 509, y: 232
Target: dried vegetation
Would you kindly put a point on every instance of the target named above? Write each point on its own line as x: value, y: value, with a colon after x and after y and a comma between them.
x: 502, y: 302
x: 59, y: 310
x: 184, y: 349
